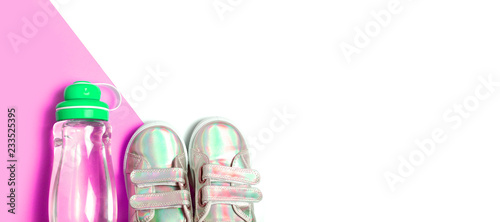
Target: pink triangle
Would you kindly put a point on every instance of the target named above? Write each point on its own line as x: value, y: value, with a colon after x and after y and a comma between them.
x: 39, y: 56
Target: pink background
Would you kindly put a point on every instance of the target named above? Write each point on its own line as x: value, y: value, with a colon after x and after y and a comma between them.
x: 33, y: 80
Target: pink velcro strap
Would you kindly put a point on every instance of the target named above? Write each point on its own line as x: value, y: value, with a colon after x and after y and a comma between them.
x: 160, y: 200
x: 229, y: 194
x: 230, y: 174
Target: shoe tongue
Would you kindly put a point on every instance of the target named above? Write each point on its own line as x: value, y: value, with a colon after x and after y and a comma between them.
x: 161, y: 215
x: 164, y: 215
x: 222, y: 212
x: 169, y: 214
x: 225, y: 212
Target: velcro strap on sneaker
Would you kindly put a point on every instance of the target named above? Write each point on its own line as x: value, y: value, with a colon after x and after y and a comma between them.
x: 230, y: 195
x: 157, y: 176
x: 230, y: 174
x: 170, y: 199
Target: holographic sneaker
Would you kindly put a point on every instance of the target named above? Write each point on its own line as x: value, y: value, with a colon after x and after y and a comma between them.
x: 155, y: 169
x: 221, y: 174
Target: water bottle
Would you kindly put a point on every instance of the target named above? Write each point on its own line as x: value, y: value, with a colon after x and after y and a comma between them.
x: 82, y: 185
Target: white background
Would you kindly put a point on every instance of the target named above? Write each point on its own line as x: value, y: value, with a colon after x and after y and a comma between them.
x: 353, y: 120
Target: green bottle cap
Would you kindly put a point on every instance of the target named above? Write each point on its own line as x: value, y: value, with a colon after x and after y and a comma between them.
x: 82, y: 101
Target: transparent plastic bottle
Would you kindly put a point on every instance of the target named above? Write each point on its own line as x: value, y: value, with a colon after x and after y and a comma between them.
x: 82, y: 184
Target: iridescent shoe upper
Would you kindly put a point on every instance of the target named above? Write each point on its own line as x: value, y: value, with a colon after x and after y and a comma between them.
x: 221, y: 173
x: 156, y: 176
